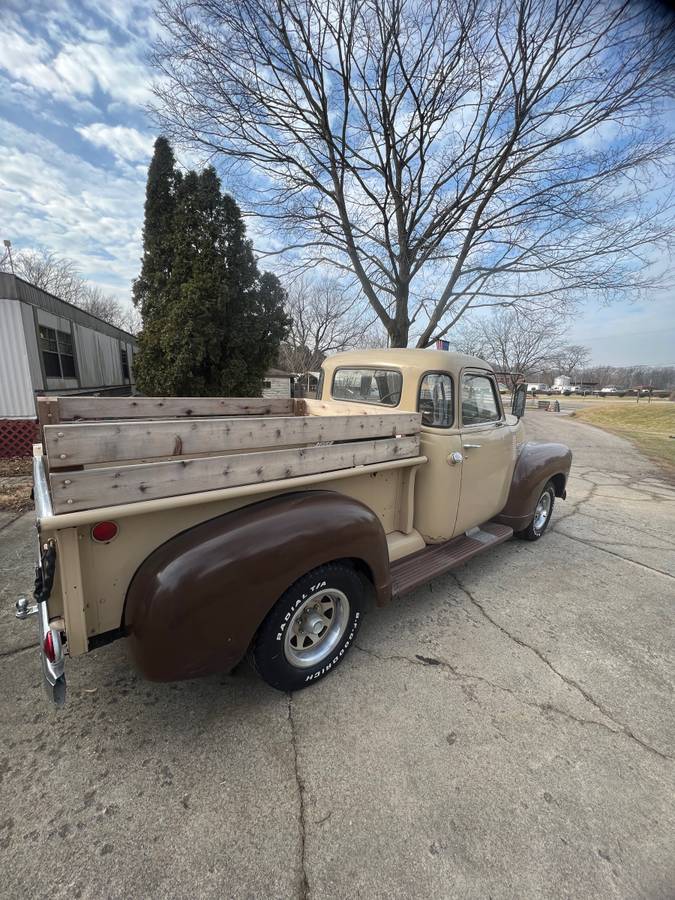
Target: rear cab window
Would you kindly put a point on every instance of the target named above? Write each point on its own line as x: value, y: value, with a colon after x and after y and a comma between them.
x: 436, y: 400
x: 480, y: 401
x: 361, y: 385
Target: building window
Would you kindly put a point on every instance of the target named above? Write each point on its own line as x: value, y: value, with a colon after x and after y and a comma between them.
x: 125, y: 364
x: 380, y: 386
x: 435, y: 400
x: 267, y: 384
x: 57, y: 353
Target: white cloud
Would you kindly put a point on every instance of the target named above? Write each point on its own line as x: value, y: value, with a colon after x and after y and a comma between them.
x: 27, y: 60
x: 71, y: 70
x: 117, y: 70
x: 54, y: 199
x: 125, y: 143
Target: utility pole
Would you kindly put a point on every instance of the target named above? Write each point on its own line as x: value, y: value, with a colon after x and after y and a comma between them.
x: 8, y: 253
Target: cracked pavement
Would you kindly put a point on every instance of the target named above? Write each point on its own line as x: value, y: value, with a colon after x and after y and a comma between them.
x: 504, y: 731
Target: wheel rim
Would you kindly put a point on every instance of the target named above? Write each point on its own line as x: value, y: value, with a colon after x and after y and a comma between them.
x: 316, y: 628
x: 542, y: 511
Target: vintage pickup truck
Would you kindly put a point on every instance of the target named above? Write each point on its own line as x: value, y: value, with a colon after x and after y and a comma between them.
x: 202, y: 529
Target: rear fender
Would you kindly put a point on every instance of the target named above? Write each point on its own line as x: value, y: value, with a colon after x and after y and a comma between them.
x: 537, y: 464
x: 195, y: 603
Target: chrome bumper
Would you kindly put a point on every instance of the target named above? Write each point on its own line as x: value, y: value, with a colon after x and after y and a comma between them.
x: 53, y: 671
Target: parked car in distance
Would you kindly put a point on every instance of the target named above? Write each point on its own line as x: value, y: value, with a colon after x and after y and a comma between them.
x: 538, y: 388
x: 205, y: 529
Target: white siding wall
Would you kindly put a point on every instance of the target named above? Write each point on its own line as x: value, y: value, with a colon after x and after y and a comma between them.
x: 279, y: 387
x: 98, y: 358
x: 16, y: 390
x: 30, y: 333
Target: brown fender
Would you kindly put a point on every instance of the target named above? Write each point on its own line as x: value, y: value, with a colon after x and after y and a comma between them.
x: 195, y: 603
x: 537, y: 463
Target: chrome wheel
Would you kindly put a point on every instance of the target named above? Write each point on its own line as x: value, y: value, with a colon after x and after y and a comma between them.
x: 542, y: 512
x: 316, y: 628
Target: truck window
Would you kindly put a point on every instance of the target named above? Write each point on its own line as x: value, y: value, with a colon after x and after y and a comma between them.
x: 380, y: 386
x: 479, y: 400
x: 435, y: 400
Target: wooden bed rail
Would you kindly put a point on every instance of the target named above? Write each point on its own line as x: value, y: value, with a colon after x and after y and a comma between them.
x: 106, y: 462
x: 54, y: 410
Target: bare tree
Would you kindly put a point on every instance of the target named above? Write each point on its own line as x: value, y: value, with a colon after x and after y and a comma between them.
x: 657, y: 377
x: 452, y: 154
x: 93, y: 300
x: 49, y: 272
x: 515, y: 342
x: 60, y: 276
x: 325, y: 317
x: 571, y: 358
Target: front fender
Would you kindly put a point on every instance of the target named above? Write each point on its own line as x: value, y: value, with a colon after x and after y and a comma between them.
x: 537, y: 463
x: 195, y: 603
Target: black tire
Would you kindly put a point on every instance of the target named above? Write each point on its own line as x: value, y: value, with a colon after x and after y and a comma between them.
x: 534, y: 531
x: 279, y: 654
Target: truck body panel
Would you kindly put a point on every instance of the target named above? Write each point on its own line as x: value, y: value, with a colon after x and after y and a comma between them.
x: 233, y: 569
x: 396, y: 467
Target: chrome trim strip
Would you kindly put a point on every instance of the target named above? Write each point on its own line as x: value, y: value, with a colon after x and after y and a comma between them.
x: 43, y: 502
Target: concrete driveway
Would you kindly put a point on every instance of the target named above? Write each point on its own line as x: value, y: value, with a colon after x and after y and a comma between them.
x: 506, y: 731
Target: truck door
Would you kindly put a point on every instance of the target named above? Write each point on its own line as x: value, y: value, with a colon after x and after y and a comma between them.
x: 488, y: 448
x: 437, y: 485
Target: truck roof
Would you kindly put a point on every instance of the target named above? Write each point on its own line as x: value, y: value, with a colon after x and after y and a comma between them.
x: 443, y: 360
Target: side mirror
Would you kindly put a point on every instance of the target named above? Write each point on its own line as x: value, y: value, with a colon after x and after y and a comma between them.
x: 519, y: 398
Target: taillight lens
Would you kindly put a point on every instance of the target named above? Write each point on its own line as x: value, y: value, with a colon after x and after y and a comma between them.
x: 104, y: 532
x: 48, y: 646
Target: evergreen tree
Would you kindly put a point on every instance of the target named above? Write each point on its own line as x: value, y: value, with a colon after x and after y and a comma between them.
x: 215, y: 325
x: 160, y: 199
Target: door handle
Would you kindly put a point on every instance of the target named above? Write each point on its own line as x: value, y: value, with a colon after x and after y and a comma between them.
x: 471, y: 446
x: 455, y: 458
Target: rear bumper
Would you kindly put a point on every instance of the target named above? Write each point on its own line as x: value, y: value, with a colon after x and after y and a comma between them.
x: 49, y: 633
x: 53, y: 672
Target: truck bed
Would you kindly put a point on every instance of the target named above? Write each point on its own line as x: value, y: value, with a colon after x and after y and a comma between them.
x: 108, y: 451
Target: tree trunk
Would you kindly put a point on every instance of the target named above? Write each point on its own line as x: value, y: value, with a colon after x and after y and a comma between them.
x: 399, y: 330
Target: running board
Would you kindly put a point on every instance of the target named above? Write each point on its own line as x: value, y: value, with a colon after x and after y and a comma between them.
x: 437, y: 559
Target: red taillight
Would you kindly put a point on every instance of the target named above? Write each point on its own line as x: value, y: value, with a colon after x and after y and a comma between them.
x: 104, y: 532
x: 48, y: 646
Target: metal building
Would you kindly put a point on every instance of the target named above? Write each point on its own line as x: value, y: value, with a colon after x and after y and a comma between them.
x: 49, y: 346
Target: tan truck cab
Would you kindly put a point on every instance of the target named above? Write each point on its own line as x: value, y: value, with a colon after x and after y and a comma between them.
x: 203, y: 528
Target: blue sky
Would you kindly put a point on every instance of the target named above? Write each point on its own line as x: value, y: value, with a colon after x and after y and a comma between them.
x: 75, y: 143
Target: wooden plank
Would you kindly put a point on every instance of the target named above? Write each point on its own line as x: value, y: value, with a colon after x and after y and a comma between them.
x: 79, y: 408
x: 89, y: 443
x: 48, y: 413
x: 131, y: 484
x: 342, y: 407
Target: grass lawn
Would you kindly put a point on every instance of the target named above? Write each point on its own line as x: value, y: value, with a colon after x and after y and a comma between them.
x: 649, y: 425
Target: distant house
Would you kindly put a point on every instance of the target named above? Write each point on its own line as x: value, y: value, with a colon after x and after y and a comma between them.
x: 306, y: 384
x: 277, y: 383
x: 48, y: 346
